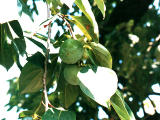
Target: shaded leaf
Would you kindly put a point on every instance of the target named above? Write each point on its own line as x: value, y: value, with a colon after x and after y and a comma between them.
x: 69, y: 95
x: 30, y: 79
x: 8, y: 32
x: 20, y: 44
x: 16, y: 28
x: 121, y: 108
x: 101, y: 6
x: 55, y: 114
x: 6, y: 56
x: 85, y: 26
x: 98, y: 88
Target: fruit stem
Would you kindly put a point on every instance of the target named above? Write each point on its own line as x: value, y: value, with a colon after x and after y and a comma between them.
x: 68, y: 25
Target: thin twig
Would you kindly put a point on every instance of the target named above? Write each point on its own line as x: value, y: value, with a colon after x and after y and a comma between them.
x: 68, y: 25
x: 46, y: 101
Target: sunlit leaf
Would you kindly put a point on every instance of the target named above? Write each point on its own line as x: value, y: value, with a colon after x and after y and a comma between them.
x: 28, y: 113
x: 102, y: 55
x: 85, y: 26
x: 121, y: 108
x: 54, y: 5
x: 101, y: 6
x: 97, y: 87
x: 55, y: 114
x: 85, y: 7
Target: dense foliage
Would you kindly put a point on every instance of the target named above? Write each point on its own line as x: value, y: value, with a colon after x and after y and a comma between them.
x: 121, y: 35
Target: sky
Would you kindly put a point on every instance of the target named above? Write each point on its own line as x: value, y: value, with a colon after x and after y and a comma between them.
x: 15, y: 72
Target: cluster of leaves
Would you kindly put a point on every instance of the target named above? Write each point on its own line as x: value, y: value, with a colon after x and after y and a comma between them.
x: 67, y: 95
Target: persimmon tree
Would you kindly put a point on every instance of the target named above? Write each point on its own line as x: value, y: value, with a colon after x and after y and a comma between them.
x: 81, y: 69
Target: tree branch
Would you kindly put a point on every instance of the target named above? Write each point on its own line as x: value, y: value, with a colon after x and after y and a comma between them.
x: 46, y: 101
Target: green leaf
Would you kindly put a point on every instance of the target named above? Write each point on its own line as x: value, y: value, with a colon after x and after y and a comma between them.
x: 61, y: 39
x: 102, y: 55
x: 30, y: 79
x: 85, y: 7
x: 16, y: 28
x: 40, y: 45
x: 101, y: 6
x: 25, y: 9
x: 85, y: 26
x: 40, y: 36
x: 121, y: 108
x: 20, y: 44
x: 68, y: 95
x: 55, y: 114
x: 8, y: 32
x: 6, y: 56
x: 28, y: 113
x: 19, y: 5
x: 54, y: 4
x: 98, y: 88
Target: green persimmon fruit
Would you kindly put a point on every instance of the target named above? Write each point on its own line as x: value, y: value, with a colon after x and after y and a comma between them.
x: 71, y: 51
x: 70, y: 74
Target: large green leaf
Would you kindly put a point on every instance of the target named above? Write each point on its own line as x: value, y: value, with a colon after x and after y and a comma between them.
x: 121, y: 108
x: 6, y: 55
x: 17, y: 28
x: 102, y: 55
x: 55, y: 114
x: 99, y: 88
x: 85, y: 7
x: 101, y: 6
x: 85, y: 26
x: 30, y: 79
